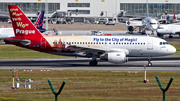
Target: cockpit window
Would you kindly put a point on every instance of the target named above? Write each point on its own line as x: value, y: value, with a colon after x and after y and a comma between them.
x: 152, y: 23
x: 163, y: 43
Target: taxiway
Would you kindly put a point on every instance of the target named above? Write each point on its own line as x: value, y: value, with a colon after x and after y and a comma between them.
x: 165, y: 63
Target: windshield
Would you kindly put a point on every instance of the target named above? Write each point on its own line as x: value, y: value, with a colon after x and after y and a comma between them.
x: 163, y: 43
x: 152, y: 23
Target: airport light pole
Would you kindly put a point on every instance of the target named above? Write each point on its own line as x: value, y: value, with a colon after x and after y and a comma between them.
x: 147, y: 8
x: 46, y: 11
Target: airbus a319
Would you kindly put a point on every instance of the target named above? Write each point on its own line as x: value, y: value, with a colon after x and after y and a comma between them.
x: 115, y: 49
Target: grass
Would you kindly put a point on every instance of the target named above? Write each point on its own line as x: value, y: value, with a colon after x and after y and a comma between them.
x: 92, y: 86
x: 175, y: 44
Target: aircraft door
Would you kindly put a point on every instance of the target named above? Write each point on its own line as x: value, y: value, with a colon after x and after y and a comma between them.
x: 43, y: 42
x: 150, y: 44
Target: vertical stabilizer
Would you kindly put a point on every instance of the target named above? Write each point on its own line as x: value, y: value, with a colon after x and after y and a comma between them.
x: 21, y: 24
x: 39, y: 22
x: 26, y: 34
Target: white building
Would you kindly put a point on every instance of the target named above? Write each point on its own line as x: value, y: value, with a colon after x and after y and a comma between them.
x: 94, y: 8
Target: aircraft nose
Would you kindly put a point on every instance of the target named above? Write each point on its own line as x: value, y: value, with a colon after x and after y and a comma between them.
x: 172, y: 49
x: 154, y: 27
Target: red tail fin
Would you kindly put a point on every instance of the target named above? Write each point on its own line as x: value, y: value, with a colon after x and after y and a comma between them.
x: 21, y: 24
x: 26, y: 35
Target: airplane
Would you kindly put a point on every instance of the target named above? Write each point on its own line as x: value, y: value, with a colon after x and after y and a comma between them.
x: 9, y: 32
x: 114, y: 49
x: 170, y: 29
x: 6, y: 32
x: 148, y: 23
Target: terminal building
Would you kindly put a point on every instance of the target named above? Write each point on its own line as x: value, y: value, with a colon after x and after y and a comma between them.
x: 95, y: 8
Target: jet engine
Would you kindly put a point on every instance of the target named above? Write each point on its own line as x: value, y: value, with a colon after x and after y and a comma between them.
x: 115, y: 57
x: 130, y: 28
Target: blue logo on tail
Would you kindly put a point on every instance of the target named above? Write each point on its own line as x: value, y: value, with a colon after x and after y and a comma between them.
x: 39, y: 22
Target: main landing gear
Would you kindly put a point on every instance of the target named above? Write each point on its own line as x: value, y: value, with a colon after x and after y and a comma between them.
x: 149, y: 62
x: 170, y: 36
x: 93, y: 62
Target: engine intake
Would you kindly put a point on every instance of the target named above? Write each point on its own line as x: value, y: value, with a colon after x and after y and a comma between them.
x: 115, y: 57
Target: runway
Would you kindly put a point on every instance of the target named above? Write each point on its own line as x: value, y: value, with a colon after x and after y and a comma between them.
x: 166, y: 63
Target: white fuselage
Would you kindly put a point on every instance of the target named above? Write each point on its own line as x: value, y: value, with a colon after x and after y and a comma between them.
x: 151, y: 24
x: 131, y: 45
x: 6, y: 32
x: 168, y: 29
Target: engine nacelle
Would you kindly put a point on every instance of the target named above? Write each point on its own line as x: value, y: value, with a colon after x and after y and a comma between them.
x: 115, y: 57
x: 130, y: 28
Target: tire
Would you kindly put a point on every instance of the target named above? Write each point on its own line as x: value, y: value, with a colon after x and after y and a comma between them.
x: 93, y: 63
x: 149, y: 64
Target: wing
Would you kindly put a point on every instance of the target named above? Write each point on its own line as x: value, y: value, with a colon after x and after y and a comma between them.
x: 96, y: 51
x: 88, y: 50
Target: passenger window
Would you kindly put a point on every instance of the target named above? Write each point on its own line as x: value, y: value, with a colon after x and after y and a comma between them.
x: 91, y: 43
x: 113, y: 43
x: 160, y: 43
x: 110, y: 43
x: 119, y: 43
x: 96, y: 42
x: 72, y: 42
x: 88, y: 42
x: 99, y: 42
x: 83, y: 42
x: 105, y: 43
x: 116, y: 43
x: 124, y: 43
x: 80, y: 42
x: 127, y: 43
x: 102, y: 42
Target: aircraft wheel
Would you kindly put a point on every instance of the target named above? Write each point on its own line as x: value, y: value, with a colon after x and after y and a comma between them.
x: 93, y: 63
x: 170, y: 36
x: 149, y: 64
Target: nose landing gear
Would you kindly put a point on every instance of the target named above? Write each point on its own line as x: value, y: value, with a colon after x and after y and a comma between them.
x: 149, y: 62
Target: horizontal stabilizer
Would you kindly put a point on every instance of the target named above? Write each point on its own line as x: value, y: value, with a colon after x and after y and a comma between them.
x: 24, y: 42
